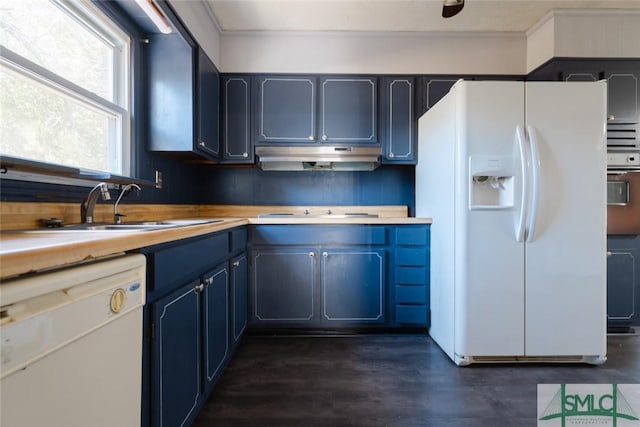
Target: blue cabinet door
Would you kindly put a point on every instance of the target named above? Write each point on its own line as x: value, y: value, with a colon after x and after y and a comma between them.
x: 184, y: 97
x: 623, y: 100
x: 215, y: 298
x: 399, y: 121
x: 623, y: 90
x: 239, y: 293
x: 352, y: 283
x: 283, y: 286
x: 286, y: 109
x: 582, y: 76
x: 348, y: 110
x: 623, y: 280
x: 236, y: 120
x: 432, y: 89
x: 176, y: 357
x: 623, y: 105
x: 171, y: 75
x: 208, y: 140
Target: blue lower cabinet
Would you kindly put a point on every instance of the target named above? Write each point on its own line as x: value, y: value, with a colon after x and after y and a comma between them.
x: 176, y: 357
x: 317, y: 276
x: 215, y: 303
x: 352, y: 283
x: 239, y: 296
x: 623, y: 281
x: 195, y: 315
x: 190, y: 347
x: 283, y: 286
x: 339, y: 276
x: 411, y: 275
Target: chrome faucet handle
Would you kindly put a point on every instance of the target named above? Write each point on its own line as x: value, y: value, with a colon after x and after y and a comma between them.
x: 88, y: 204
x: 117, y: 217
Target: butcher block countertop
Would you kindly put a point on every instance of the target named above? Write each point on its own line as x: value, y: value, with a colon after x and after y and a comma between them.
x: 41, y: 249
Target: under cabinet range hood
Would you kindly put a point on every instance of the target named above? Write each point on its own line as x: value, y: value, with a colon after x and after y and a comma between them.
x: 317, y: 157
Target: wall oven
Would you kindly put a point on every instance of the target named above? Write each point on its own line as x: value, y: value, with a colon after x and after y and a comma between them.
x: 623, y: 180
x: 623, y: 202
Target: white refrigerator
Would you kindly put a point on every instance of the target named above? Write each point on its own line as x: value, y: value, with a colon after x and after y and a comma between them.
x: 513, y: 175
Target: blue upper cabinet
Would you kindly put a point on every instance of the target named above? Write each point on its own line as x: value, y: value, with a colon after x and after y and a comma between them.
x: 431, y: 90
x: 184, y: 98
x: 348, y: 110
x: 624, y: 94
x: 286, y: 109
x: 398, y: 120
x: 236, y: 119
x: 302, y: 109
x: 623, y: 86
x: 208, y: 138
x: 171, y: 96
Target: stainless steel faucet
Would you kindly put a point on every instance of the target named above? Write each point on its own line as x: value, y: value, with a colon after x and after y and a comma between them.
x: 117, y: 217
x: 88, y: 204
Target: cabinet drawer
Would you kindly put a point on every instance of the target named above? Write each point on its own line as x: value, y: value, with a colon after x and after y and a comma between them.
x: 411, y: 276
x: 175, y: 265
x: 411, y: 314
x: 412, y: 256
x: 411, y: 294
x: 317, y: 235
x: 238, y: 240
x: 412, y: 236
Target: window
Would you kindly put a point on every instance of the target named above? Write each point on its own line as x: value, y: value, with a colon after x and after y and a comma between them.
x: 64, y: 85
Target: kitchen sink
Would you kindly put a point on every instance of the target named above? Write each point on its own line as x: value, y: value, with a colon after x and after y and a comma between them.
x: 127, y: 226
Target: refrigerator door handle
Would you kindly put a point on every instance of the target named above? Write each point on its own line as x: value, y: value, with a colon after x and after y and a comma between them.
x: 535, y: 183
x: 522, y: 147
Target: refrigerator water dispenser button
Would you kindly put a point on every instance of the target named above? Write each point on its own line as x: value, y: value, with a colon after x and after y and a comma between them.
x: 491, y: 183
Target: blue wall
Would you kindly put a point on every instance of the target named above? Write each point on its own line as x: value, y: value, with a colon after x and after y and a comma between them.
x: 180, y: 186
x: 387, y: 185
x: 226, y: 185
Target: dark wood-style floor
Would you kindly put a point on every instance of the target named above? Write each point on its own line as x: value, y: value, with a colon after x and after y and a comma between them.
x: 389, y: 380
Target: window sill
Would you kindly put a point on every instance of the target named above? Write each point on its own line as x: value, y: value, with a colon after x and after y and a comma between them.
x: 17, y: 168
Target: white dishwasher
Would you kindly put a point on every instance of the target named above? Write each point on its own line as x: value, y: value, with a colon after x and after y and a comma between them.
x: 71, y: 346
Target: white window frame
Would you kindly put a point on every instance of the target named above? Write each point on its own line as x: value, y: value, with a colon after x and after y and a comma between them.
x: 100, y: 25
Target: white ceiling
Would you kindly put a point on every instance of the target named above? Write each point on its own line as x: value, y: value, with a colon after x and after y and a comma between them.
x: 392, y: 15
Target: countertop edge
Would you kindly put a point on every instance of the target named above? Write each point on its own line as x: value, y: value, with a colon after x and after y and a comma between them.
x: 346, y: 221
x: 22, y: 253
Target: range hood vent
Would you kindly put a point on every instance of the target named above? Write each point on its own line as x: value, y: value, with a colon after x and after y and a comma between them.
x: 322, y: 157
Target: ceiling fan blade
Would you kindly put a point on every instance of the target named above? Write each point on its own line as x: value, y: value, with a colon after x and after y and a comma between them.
x: 451, y: 8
